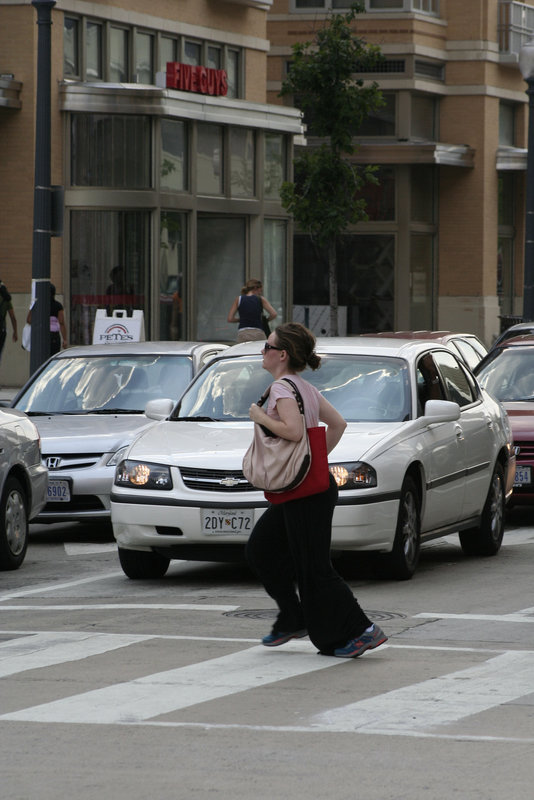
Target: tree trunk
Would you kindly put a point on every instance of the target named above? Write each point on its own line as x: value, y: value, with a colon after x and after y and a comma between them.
x: 332, y: 284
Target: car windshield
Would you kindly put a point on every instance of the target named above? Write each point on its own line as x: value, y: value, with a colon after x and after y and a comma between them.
x: 508, y: 374
x: 362, y: 388
x: 106, y: 384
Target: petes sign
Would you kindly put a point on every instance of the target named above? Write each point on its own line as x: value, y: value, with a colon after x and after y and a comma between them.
x: 203, y: 80
x: 119, y: 327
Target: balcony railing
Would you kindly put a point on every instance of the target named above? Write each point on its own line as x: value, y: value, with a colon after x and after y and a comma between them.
x: 516, y: 25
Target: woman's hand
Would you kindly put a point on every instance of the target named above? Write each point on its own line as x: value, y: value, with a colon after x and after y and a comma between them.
x: 257, y: 414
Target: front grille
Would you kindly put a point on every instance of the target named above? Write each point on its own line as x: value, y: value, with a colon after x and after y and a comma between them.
x: 68, y: 461
x: 78, y: 502
x: 526, y: 450
x: 215, y: 480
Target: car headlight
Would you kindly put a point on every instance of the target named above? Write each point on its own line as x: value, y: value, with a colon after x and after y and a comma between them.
x: 117, y: 457
x: 143, y: 475
x: 356, y: 475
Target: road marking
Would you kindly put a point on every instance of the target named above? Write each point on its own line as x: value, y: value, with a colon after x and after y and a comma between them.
x: 439, y: 701
x: 519, y: 616
x: 57, y: 586
x: 165, y: 692
x: 115, y: 606
x: 45, y: 649
x: 85, y: 549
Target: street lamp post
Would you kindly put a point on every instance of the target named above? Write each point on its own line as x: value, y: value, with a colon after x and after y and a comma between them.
x: 526, y: 65
x: 42, y: 208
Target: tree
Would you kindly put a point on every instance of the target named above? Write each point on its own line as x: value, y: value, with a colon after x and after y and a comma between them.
x: 325, y: 197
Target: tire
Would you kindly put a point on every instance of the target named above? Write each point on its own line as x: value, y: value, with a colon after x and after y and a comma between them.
x: 138, y: 564
x: 13, y: 525
x: 402, y: 562
x: 486, y: 540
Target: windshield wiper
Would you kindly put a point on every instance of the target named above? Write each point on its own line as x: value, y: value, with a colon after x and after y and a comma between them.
x: 194, y: 419
x: 115, y: 411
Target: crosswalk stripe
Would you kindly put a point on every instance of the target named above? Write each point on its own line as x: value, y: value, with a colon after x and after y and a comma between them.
x: 165, y: 692
x: 439, y: 701
x: 45, y: 649
x: 117, y: 606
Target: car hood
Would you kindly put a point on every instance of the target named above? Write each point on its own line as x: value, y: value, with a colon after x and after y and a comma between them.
x: 521, y: 416
x: 221, y: 445
x: 88, y: 433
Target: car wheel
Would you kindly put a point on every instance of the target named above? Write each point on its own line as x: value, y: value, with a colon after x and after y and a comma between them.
x: 141, y: 564
x: 486, y: 540
x: 13, y: 525
x: 402, y: 562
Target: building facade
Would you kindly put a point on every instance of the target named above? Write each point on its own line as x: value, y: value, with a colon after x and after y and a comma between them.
x: 171, y: 175
x: 443, y: 246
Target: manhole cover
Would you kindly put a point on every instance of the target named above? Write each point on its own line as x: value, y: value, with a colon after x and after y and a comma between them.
x: 270, y: 613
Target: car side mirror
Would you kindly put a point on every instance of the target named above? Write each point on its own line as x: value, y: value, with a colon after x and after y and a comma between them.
x: 159, y: 409
x: 441, y: 411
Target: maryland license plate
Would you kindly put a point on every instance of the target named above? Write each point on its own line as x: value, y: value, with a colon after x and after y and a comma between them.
x: 224, y: 522
x: 522, y: 476
x: 58, y: 491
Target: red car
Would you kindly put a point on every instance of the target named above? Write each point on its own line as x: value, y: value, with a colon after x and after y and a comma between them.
x: 507, y: 373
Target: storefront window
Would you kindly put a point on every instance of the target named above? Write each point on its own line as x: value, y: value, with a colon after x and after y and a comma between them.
x: 93, y: 51
x: 173, y: 166
x: 220, y: 274
x: 109, y: 267
x: 110, y: 150
x: 366, y: 283
x: 421, y: 281
x: 144, y: 57
x: 172, y: 248
x: 275, y: 165
x: 242, y: 162
x: 118, y: 55
x: 209, y: 159
x: 71, y: 58
x: 274, y: 265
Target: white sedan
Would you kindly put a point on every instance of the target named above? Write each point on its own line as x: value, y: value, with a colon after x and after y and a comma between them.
x: 426, y: 453
x: 23, y: 484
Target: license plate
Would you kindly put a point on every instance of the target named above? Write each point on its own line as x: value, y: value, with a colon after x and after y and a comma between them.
x: 58, y: 492
x: 224, y: 521
x: 522, y: 476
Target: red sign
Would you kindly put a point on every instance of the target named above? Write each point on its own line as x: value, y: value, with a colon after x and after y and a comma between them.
x: 203, y: 80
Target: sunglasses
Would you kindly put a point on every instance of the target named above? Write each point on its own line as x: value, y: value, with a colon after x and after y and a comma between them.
x: 268, y: 346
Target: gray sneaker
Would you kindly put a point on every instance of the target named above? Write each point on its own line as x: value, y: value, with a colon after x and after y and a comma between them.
x: 368, y: 640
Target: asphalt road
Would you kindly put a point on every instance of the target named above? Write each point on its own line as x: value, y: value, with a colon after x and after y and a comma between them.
x: 111, y: 688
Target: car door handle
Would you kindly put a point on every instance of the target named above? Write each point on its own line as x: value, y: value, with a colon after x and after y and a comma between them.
x: 459, y: 432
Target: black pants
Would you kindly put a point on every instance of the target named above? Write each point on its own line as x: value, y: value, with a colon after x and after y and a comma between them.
x: 289, y: 548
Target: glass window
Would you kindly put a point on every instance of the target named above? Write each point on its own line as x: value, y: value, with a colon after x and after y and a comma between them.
x: 209, y: 159
x: 423, y: 117
x: 274, y: 172
x: 71, y: 56
x: 118, y: 55
x: 110, y: 150
x: 242, y: 162
x: 506, y: 124
x: 274, y: 265
x: 167, y: 52
x: 505, y: 275
x: 366, y: 284
x: 380, y: 197
x: 422, y: 191
x: 214, y: 57
x: 220, y: 274
x: 109, y: 267
x: 382, y: 121
x: 173, y: 167
x: 457, y: 386
x: 192, y: 53
x: 421, y: 281
x: 172, y: 252
x: 93, y: 51
x: 382, y: 4
x: 144, y: 57
x: 232, y: 73
x: 506, y: 198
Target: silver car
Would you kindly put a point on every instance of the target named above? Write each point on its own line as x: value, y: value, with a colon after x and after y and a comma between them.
x: 88, y: 405
x: 23, y: 481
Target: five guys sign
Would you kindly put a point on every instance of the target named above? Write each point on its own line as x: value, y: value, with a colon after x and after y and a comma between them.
x: 203, y: 80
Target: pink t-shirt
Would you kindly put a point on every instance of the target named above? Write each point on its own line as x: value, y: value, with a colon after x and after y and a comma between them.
x: 310, y: 398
